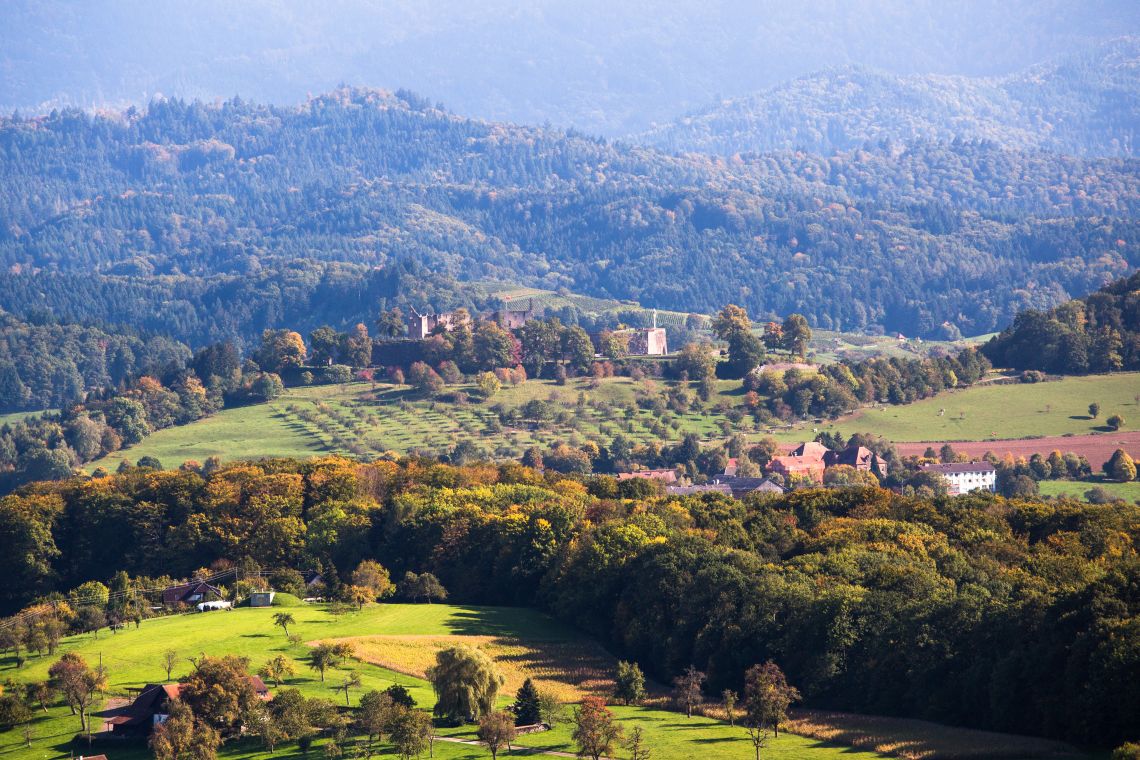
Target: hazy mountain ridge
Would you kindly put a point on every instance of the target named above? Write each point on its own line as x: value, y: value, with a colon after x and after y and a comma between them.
x: 1083, y: 104
x: 212, y: 221
x: 609, y: 68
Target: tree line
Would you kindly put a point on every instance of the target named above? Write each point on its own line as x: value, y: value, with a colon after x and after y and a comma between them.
x: 1096, y: 334
x: 870, y: 600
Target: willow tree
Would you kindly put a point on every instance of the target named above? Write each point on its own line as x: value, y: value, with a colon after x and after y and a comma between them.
x: 466, y: 682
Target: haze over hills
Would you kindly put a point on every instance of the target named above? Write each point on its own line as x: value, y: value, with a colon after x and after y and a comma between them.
x: 204, y: 222
x: 1086, y: 103
x: 608, y: 68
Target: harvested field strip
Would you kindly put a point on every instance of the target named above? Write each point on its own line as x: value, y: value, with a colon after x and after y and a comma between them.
x: 568, y: 669
x: 1096, y: 448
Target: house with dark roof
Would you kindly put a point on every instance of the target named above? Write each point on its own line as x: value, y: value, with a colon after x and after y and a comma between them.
x: 742, y: 486
x: 152, y: 707
x: 859, y: 457
x: 191, y: 593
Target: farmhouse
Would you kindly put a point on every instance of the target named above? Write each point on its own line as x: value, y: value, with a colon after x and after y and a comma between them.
x: 190, y: 593
x: 152, y: 707
x: 964, y: 477
x: 859, y: 457
x: 740, y: 487
x: 805, y: 461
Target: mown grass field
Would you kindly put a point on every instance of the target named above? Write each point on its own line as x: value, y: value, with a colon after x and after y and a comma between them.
x: 366, y: 421
x: 133, y: 658
x: 1077, y: 489
x: 1005, y: 411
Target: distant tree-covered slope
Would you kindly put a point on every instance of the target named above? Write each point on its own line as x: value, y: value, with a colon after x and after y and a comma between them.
x: 1099, y: 333
x: 214, y: 222
x: 1084, y: 104
x: 50, y: 365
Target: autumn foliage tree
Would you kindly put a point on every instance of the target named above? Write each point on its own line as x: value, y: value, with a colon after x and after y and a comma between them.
x: 595, y: 731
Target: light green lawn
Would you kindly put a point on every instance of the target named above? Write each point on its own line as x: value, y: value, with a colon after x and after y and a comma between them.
x: 1076, y: 489
x: 133, y: 658
x: 1009, y: 411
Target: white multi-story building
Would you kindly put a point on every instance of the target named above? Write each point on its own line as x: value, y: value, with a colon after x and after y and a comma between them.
x: 964, y: 477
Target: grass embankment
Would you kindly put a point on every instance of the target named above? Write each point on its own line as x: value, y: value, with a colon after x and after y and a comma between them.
x: 133, y: 658
x: 366, y: 420
x: 1005, y: 411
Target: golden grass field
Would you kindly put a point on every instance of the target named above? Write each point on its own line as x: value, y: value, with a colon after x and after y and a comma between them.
x: 567, y: 669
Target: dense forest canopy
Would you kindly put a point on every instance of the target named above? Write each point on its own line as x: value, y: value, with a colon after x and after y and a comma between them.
x: 210, y: 222
x: 1098, y: 333
x: 1082, y: 104
x: 609, y: 68
x: 975, y: 610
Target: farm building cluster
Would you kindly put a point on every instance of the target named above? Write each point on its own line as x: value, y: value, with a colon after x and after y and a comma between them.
x: 807, y: 464
x: 641, y: 341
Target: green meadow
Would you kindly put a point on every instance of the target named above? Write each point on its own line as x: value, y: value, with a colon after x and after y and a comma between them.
x: 133, y: 658
x: 1077, y: 489
x: 1005, y: 411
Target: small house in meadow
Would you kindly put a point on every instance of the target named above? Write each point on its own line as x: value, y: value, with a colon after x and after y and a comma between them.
x: 261, y: 599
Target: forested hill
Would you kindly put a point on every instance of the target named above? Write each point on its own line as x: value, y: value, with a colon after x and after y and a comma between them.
x: 206, y: 222
x: 1099, y: 333
x: 1083, y: 104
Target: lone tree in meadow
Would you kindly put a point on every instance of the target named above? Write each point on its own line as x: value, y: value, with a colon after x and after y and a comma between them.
x: 595, y: 731
x: 78, y: 683
x: 169, y: 660
x: 687, y: 689
x: 351, y: 681
x: 729, y: 697
x: 496, y: 730
x: 410, y: 732
x: 423, y: 586
x: 1094, y: 410
x: 1115, y: 422
x: 767, y: 696
x: 528, y: 704
x: 373, y: 576
x: 277, y: 669
x: 284, y: 620
x: 376, y: 713
x: 466, y: 682
x: 635, y: 745
x: 322, y: 657
x: 629, y: 683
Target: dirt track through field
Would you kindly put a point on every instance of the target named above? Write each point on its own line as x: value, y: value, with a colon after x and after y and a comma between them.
x: 1096, y: 448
